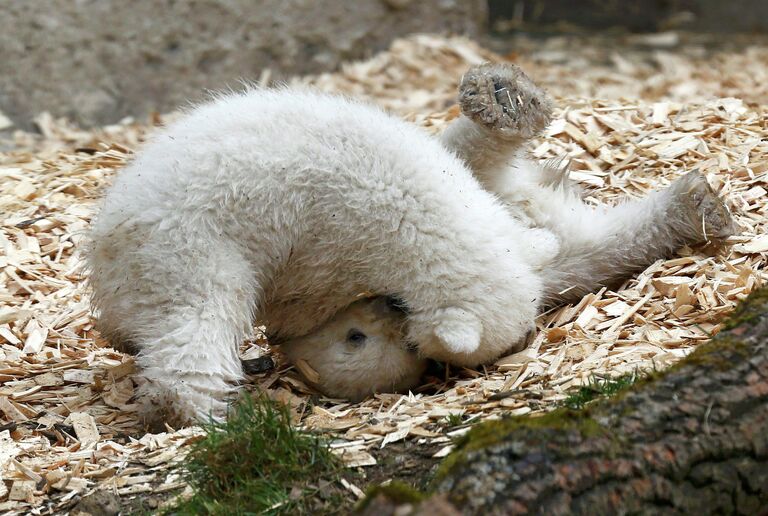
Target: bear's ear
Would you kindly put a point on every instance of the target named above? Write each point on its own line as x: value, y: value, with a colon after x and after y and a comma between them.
x: 458, y: 331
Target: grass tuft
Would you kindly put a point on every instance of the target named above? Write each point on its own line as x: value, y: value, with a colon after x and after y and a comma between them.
x: 600, y: 388
x: 257, y: 463
x: 454, y: 420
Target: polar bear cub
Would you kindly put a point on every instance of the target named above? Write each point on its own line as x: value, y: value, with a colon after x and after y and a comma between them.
x: 359, y: 351
x: 594, y: 246
x: 280, y: 206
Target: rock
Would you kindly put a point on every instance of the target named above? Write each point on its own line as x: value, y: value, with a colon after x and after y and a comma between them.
x: 98, y: 503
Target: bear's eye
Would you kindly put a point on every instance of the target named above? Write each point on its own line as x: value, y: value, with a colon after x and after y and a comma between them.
x: 356, y: 337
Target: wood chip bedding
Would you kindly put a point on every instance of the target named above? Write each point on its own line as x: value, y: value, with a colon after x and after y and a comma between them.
x: 67, y: 422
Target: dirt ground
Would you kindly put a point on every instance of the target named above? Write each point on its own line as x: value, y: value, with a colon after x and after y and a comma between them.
x: 635, y: 112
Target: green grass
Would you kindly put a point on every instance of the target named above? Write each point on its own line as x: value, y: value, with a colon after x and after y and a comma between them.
x: 601, y: 388
x: 454, y: 420
x: 257, y: 463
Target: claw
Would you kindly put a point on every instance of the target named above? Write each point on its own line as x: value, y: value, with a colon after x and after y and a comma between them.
x: 502, y: 98
x: 707, y: 211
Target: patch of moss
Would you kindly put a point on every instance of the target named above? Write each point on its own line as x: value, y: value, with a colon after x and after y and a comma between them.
x: 398, y: 492
x: 709, y: 354
x: 489, y: 433
x: 749, y: 310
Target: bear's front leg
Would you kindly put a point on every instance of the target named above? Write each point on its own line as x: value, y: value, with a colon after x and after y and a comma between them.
x: 501, y: 109
x: 190, y: 372
x: 185, y: 302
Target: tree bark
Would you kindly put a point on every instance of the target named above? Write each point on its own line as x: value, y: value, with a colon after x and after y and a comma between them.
x: 693, y: 439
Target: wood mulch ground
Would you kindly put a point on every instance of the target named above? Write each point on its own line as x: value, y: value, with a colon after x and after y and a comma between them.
x: 634, y: 114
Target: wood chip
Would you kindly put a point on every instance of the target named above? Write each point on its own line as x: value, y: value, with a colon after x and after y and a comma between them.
x: 85, y: 427
x: 35, y: 338
x: 8, y: 449
x: 353, y: 488
x: 758, y: 245
x: 355, y: 458
x: 11, y: 411
x: 444, y: 451
x: 309, y: 373
x: 22, y: 490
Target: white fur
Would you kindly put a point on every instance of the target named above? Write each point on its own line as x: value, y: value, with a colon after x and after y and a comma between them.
x: 281, y: 206
x: 380, y: 361
x: 588, y: 247
x: 594, y: 246
x: 603, y: 245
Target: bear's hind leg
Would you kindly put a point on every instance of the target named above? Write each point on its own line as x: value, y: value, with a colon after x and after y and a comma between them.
x: 604, y: 246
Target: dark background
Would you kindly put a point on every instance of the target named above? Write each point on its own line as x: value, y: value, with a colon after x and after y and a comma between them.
x: 638, y: 16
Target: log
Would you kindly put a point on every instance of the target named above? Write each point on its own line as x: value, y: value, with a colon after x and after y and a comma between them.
x: 692, y: 439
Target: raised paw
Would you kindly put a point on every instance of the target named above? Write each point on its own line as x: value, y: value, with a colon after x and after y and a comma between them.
x: 502, y: 98
x: 706, y: 214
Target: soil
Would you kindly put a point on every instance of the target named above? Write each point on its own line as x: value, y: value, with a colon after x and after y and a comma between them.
x: 407, y: 462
